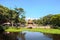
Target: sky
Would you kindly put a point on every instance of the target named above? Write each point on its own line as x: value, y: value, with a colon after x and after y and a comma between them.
x: 34, y: 8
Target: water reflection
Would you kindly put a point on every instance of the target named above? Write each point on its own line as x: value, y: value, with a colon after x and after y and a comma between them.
x: 53, y: 36
x: 28, y: 36
x: 36, y: 36
x: 39, y: 36
x: 5, y: 36
x: 56, y: 37
x: 21, y: 36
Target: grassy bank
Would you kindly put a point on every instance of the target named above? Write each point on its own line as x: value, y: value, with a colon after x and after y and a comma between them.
x: 52, y: 31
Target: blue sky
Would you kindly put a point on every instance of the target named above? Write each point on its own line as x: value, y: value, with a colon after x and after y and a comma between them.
x: 34, y: 8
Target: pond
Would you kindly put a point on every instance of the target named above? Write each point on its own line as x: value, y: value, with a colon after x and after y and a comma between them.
x: 38, y: 36
x: 26, y: 35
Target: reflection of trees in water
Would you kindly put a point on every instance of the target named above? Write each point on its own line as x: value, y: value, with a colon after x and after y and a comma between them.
x: 48, y: 35
x: 22, y: 36
x: 53, y: 36
x: 16, y: 36
x: 12, y: 36
x: 56, y: 37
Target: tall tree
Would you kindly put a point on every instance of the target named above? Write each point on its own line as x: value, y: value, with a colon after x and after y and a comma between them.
x: 12, y: 16
x: 55, y: 20
x: 21, y: 14
x: 3, y: 14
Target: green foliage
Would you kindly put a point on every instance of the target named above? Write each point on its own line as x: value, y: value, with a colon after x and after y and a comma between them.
x: 46, y: 19
x: 55, y: 20
x: 50, y: 19
x: 10, y: 15
x: 3, y: 14
x: 21, y: 14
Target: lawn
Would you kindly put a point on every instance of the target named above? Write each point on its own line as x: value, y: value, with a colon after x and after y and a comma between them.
x: 52, y: 31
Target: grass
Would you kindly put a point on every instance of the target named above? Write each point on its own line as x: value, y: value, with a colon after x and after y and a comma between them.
x: 52, y: 31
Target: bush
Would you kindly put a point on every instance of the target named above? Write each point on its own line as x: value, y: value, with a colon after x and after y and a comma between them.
x: 1, y: 29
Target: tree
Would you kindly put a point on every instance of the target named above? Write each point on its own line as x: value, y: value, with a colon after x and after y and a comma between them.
x: 55, y: 20
x: 21, y: 14
x: 23, y: 19
x: 19, y: 11
x: 46, y: 19
x: 3, y: 14
x: 10, y: 15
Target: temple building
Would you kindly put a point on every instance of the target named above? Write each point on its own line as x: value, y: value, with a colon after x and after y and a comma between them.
x: 30, y: 24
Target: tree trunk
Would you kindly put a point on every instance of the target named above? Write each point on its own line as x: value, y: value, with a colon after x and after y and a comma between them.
x: 12, y: 23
